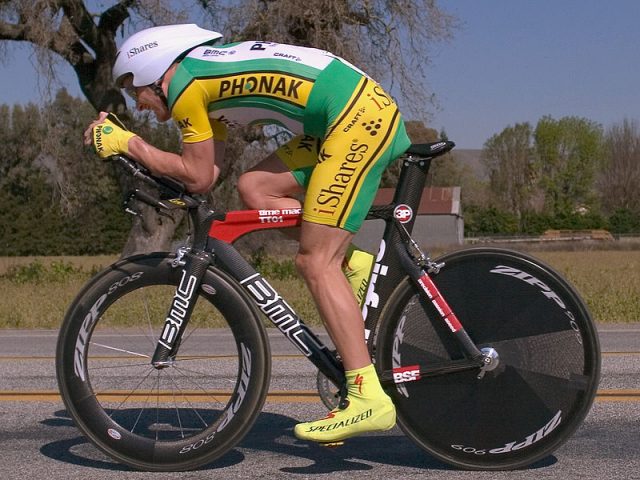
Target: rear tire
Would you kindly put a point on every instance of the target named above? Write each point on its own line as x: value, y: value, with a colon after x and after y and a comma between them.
x: 548, y: 371
x: 179, y: 417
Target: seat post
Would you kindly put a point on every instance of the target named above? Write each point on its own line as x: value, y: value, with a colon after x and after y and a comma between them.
x: 413, y: 176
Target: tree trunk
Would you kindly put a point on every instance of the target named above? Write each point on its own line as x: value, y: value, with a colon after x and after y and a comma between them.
x: 151, y: 232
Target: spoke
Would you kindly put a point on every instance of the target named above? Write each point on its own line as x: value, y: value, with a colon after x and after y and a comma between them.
x: 120, y: 365
x: 182, y: 371
x: 196, y: 385
x: 206, y: 425
x: 133, y: 390
x: 175, y: 404
x: 121, y: 350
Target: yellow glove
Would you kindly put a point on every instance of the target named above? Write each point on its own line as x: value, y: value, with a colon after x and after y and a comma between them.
x: 111, y: 137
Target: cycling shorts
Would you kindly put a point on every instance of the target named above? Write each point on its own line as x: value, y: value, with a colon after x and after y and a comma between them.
x: 341, y: 173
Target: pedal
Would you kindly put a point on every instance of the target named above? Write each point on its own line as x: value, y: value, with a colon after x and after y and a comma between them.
x: 332, y: 444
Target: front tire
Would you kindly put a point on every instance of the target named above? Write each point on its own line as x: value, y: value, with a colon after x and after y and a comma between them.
x: 175, y: 418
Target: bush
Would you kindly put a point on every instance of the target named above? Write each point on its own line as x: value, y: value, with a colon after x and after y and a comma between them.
x: 624, y: 221
x: 577, y: 221
x: 490, y: 221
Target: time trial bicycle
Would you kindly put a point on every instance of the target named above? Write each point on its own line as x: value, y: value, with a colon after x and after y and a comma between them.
x: 490, y: 356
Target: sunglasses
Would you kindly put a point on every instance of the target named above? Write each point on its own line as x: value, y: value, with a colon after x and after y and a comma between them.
x: 132, y: 92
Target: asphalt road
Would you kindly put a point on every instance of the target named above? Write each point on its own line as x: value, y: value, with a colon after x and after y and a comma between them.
x: 38, y: 439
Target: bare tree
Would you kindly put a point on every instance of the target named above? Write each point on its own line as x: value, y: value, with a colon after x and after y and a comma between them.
x: 509, y: 160
x: 619, y: 180
x: 389, y: 39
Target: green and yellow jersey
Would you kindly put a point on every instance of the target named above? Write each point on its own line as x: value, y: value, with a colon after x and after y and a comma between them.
x: 348, y: 129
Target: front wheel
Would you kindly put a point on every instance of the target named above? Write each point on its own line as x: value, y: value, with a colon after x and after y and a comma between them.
x: 174, y: 418
x: 547, y: 351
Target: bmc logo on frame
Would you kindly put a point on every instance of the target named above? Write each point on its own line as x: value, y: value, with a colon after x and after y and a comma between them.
x: 403, y: 213
x: 406, y: 374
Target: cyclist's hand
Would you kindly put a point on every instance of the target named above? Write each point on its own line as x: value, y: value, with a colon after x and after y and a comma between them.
x: 108, y: 136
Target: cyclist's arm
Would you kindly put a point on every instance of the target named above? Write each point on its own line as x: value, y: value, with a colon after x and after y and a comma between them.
x: 198, y: 167
x: 203, y: 143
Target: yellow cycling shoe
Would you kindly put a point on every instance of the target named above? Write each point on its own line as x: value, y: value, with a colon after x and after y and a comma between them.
x: 366, y: 409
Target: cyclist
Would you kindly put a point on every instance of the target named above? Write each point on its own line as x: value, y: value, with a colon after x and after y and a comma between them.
x: 348, y: 131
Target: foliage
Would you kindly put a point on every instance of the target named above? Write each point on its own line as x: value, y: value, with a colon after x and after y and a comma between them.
x: 493, y: 221
x: 509, y: 159
x: 489, y: 221
x: 272, y: 267
x: 563, y: 175
x: 36, y: 272
x: 33, y: 223
x: 624, y: 221
x: 569, y: 152
x: 58, y: 197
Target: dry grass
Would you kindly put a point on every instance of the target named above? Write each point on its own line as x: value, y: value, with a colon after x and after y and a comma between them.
x: 608, y: 281
x: 37, y: 291
x: 87, y: 264
x: 38, y: 297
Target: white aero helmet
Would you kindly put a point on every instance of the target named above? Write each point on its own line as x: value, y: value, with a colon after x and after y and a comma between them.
x: 149, y: 53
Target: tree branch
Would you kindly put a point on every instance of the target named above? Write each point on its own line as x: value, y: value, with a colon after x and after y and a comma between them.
x: 10, y: 31
x: 112, y: 18
x: 76, y: 13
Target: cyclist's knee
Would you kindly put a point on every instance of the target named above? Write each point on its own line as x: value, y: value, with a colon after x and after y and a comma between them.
x: 303, y: 263
x: 250, y: 191
x: 316, y: 266
x: 310, y: 266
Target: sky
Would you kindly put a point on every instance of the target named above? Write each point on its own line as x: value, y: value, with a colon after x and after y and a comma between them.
x: 510, y: 61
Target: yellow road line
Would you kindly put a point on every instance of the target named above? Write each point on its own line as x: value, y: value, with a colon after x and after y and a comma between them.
x: 194, y: 396
x: 277, y: 396
x: 619, y: 354
x: 616, y: 395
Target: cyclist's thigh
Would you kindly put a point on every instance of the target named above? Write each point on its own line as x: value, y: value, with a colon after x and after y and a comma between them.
x: 270, y: 178
x: 365, y: 138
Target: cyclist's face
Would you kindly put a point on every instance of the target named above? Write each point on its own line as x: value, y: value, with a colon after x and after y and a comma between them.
x: 147, y: 99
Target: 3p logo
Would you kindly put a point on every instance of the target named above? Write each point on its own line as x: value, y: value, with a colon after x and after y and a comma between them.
x: 403, y: 213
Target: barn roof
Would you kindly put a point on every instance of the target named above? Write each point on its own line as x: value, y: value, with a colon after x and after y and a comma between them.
x: 435, y: 200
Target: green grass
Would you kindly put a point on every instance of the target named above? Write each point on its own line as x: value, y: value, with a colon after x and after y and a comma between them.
x: 37, y: 291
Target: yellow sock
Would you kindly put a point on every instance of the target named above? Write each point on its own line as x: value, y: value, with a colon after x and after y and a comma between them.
x: 357, y: 268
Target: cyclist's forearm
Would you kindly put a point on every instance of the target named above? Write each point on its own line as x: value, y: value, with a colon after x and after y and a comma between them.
x: 195, y: 167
